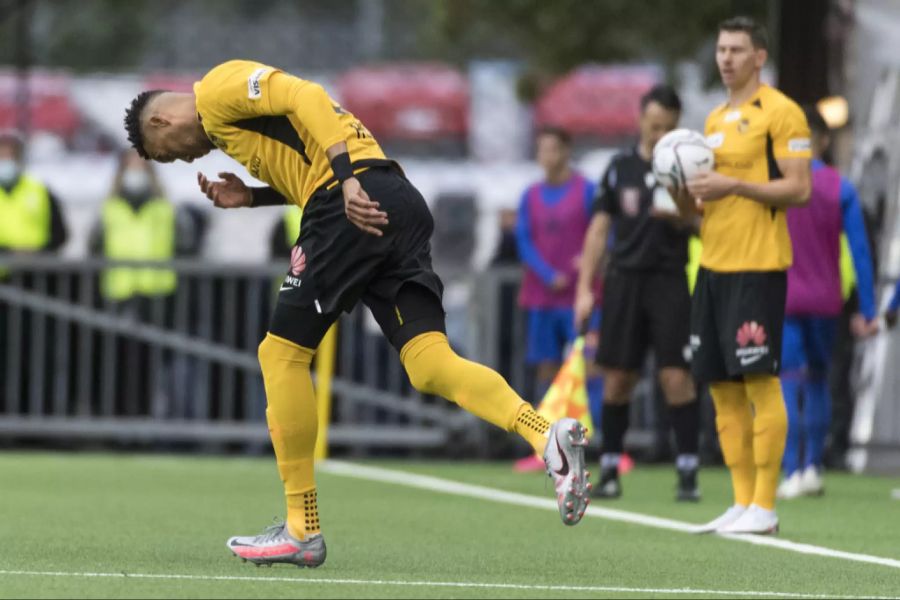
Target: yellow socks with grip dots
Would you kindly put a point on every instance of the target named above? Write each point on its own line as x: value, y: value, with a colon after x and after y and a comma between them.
x: 291, y: 414
x: 770, y: 426
x: 434, y: 368
x: 734, y: 422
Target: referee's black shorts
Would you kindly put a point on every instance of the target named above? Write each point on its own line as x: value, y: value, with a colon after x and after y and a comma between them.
x: 334, y: 265
x: 641, y: 310
x: 737, y: 320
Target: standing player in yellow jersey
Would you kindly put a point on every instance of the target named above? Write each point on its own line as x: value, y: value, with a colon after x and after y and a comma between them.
x: 365, y: 236
x: 762, y: 150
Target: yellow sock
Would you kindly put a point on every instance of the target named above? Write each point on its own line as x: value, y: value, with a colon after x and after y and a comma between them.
x: 434, y: 368
x: 769, y: 435
x: 533, y: 427
x: 734, y: 422
x: 291, y: 414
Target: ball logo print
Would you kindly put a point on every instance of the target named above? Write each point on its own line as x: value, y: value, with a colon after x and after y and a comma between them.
x: 751, y: 332
x: 298, y: 261
x: 681, y: 155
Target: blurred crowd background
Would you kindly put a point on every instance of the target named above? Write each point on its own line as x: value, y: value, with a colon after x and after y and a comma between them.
x: 95, y: 352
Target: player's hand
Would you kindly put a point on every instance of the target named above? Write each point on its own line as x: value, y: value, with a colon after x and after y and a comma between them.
x: 711, y: 186
x: 584, y: 305
x: 228, y: 193
x: 683, y: 198
x: 559, y: 283
x: 890, y: 319
x: 862, y: 328
x: 361, y: 210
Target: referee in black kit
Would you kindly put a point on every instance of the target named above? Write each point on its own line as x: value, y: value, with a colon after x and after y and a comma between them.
x: 646, y: 302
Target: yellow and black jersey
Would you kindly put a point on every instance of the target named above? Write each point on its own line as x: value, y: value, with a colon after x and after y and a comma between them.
x: 740, y: 234
x: 278, y: 126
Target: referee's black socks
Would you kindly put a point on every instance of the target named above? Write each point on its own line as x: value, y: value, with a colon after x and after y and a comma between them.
x: 686, y: 425
x: 614, y: 425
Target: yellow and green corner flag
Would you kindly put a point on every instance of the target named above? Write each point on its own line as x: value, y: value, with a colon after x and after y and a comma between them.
x: 567, y: 396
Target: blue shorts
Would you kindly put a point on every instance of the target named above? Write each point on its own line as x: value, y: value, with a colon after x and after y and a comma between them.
x: 550, y: 330
x: 807, y: 343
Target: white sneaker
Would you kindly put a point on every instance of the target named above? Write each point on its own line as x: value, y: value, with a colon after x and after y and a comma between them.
x: 811, y: 482
x: 729, y: 516
x: 754, y: 520
x: 791, y: 487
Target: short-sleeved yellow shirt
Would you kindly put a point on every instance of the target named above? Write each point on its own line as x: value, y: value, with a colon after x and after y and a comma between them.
x: 740, y: 234
x: 278, y: 126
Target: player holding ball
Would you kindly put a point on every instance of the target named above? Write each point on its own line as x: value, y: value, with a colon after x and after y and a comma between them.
x: 762, y: 152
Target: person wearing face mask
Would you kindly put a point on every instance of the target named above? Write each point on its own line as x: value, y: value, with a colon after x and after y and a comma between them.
x: 30, y: 221
x: 137, y: 223
x: 30, y: 217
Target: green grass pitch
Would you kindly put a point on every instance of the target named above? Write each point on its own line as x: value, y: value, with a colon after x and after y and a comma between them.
x: 132, y: 516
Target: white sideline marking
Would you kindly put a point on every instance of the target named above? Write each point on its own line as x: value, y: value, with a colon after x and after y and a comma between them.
x: 436, y: 484
x: 446, y: 584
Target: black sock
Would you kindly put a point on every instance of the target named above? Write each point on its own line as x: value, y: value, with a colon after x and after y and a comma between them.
x: 686, y: 425
x: 614, y: 425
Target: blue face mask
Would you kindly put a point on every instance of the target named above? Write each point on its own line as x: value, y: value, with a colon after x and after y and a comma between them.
x: 9, y: 171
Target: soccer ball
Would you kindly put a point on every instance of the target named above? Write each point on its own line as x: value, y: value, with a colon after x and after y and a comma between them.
x: 680, y: 155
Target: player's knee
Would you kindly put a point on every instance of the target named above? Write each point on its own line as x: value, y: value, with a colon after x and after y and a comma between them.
x: 422, y: 377
x: 273, y: 349
x: 677, y: 385
x: 618, y: 386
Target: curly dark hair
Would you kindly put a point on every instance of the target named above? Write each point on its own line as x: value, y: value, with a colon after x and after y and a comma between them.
x: 133, y: 120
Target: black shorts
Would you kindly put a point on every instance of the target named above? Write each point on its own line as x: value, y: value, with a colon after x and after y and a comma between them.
x: 644, y: 309
x: 737, y: 321
x: 334, y: 265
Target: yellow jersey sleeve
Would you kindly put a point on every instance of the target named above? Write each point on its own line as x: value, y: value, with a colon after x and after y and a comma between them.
x: 790, y: 132
x: 241, y: 89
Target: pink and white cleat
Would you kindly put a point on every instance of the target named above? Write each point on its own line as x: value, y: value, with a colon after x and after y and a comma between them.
x: 277, y: 545
x: 564, y: 458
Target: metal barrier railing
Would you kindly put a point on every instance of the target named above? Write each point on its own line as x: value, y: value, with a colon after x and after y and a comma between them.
x: 183, y: 368
x: 74, y: 365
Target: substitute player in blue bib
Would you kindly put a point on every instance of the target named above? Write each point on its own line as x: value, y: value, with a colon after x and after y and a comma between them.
x: 814, y: 303
x: 553, y: 219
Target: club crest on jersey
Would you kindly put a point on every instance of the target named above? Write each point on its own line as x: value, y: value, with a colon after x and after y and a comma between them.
x: 743, y: 125
x: 630, y: 201
x: 254, y: 90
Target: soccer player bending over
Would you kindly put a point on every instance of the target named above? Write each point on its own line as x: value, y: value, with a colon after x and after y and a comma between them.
x: 365, y: 236
x: 762, y: 151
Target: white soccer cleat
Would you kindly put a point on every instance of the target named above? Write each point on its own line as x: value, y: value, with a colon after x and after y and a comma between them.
x: 791, y: 487
x: 756, y: 520
x: 564, y: 460
x: 811, y: 482
x: 728, y: 517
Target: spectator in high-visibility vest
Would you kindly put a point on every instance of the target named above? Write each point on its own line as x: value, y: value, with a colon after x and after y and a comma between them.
x: 137, y: 223
x: 30, y: 221
x: 30, y: 217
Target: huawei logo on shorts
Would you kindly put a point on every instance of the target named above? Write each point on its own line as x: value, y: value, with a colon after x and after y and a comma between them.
x: 298, y: 261
x: 751, y: 332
